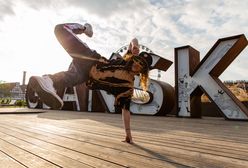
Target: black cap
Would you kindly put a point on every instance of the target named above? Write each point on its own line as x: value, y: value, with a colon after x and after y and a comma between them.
x: 147, y: 57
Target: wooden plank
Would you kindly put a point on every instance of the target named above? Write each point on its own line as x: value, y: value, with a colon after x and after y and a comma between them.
x: 161, y: 123
x: 9, y: 162
x: 77, y: 138
x: 231, y: 149
x: 195, y: 143
x: 198, y: 136
x: 90, y: 160
x: 52, y: 157
x: 211, y: 159
x: 20, y: 110
x: 22, y: 135
x: 145, y: 150
x: 237, y: 148
x: 24, y: 157
x: 184, y: 138
x: 184, y: 133
x: 126, y: 159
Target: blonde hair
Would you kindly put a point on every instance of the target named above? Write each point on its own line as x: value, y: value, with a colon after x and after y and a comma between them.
x: 144, y: 76
x: 128, y: 56
x: 144, y: 80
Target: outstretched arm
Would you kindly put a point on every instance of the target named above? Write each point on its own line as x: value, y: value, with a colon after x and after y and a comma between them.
x: 126, y: 121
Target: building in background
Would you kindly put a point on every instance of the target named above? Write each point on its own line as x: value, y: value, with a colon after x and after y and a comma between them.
x: 14, y: 90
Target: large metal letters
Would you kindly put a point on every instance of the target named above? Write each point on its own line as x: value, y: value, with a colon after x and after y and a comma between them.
x: 192, y: 78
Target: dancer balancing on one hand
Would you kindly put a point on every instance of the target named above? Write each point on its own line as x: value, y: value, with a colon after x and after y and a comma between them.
x: 113, y: 76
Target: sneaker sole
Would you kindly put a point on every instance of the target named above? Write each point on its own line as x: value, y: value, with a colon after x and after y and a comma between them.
x: 50, y: 99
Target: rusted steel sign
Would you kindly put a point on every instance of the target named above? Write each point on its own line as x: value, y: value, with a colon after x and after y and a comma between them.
x: 193, y: 78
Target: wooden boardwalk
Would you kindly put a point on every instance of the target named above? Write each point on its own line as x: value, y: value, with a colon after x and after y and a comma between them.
x: 80, y: 139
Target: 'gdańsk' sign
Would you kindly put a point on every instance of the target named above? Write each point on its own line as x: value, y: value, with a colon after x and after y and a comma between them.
x: 192, y: 78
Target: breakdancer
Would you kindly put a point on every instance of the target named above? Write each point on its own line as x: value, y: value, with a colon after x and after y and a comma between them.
x: 113, y: 76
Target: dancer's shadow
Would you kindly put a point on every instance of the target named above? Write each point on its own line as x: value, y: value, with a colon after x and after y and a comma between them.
x: 150, y: 152
x: 158, y: 156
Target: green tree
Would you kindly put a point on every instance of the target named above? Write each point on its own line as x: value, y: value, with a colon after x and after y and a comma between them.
x: 4, y: 89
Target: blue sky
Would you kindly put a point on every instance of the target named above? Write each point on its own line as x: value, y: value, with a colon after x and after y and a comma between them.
x: 27, y: 41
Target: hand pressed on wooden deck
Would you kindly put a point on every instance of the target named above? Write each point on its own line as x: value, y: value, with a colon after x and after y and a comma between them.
x: 128, y: 140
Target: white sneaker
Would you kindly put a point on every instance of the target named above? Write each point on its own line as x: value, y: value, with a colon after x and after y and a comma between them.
x: 88, y: 30
x: 43, y: 86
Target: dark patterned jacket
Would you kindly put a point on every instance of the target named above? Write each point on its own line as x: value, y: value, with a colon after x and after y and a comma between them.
x: 115, y: 78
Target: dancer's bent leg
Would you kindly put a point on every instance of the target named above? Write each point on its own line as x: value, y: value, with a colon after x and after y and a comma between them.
x: 66, y: 35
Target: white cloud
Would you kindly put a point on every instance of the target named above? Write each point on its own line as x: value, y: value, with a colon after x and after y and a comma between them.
x: 6, y: 9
